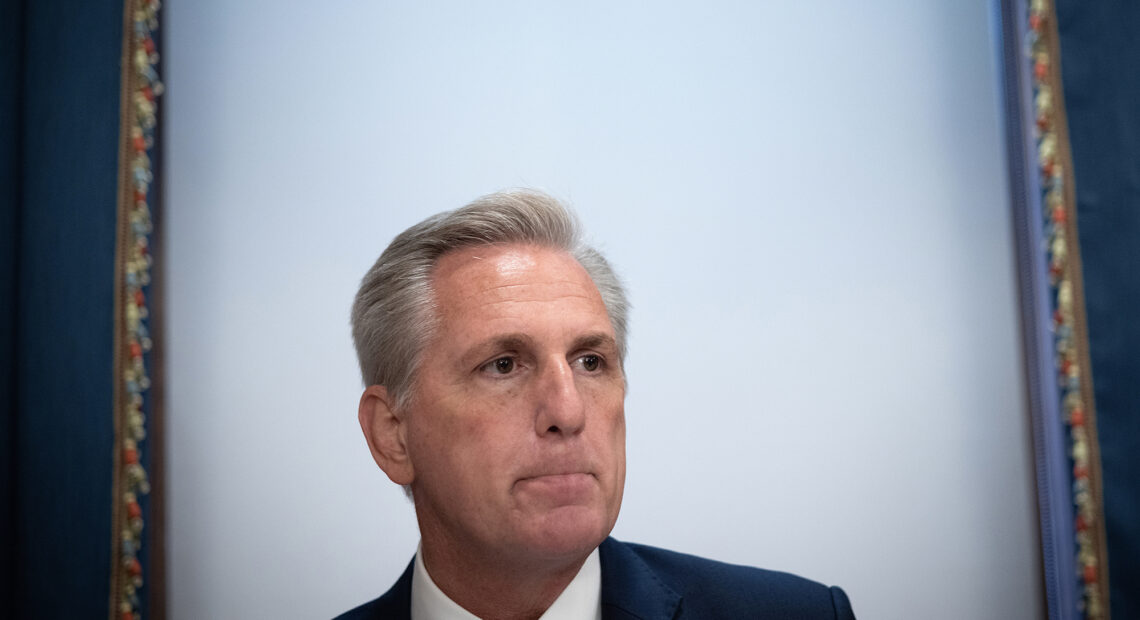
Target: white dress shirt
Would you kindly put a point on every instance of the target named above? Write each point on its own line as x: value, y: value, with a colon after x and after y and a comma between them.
x: 581, y: 600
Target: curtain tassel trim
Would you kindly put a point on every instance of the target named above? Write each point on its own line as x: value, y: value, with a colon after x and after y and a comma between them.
x: 143, y: 89
x: 1062, y: 254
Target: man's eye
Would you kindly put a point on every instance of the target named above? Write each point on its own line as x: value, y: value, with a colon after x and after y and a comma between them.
x: 591, y: 362
x: 503, y: 365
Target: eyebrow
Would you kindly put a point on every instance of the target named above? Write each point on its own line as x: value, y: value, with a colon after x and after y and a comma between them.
x: 501, y: 342
x: 597, y: 340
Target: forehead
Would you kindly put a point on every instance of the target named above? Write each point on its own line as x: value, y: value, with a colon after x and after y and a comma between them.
x: 502, y: 280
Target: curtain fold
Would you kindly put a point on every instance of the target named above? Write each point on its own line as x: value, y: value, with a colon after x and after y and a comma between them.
x: 1100, y: 67
x: 11, y: 79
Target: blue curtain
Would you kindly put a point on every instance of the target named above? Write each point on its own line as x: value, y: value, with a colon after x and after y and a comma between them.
x: 1100, y: 64
x: 11, y: 52
x: 60, y: 78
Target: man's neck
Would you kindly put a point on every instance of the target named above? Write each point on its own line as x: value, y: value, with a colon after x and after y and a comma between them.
x: 494, y: 589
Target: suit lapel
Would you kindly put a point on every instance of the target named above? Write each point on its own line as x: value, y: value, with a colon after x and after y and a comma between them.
x: 630, y: 589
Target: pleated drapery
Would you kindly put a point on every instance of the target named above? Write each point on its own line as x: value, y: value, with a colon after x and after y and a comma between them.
x: 1072, y: 77
x: 70, y: 161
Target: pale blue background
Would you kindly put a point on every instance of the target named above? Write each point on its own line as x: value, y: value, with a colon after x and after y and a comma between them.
x: 808, y: 201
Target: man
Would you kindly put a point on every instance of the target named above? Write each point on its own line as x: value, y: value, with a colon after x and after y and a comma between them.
x: 492, y: 343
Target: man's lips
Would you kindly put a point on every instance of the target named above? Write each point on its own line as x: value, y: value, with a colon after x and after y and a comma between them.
x: 565, y: 478
x: 556, y: 474
x: 555, y: 466
x: 561, y: 486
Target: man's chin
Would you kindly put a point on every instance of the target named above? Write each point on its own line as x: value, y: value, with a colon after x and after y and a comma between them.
x: 567, y: 532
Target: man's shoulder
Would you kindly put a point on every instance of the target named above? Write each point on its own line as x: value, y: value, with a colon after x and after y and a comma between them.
x: 691, y: 568
x: 393, y: 604
x: 708, y: 588
x: 376, y: 608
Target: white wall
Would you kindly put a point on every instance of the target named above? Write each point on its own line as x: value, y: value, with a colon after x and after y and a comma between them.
x: 809, y: 204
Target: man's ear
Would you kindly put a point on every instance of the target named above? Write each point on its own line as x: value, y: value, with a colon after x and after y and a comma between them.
x: 386, y: 433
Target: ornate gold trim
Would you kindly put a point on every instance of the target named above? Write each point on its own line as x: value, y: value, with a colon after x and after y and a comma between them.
x: 1070, y: 327
x: 138, y: 91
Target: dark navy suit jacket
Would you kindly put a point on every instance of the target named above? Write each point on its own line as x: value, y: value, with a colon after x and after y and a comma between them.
x: 654, y: 584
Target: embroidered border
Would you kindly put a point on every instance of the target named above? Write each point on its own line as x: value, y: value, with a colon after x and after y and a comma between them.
x: 1071, y: 354
x: 140, y: 89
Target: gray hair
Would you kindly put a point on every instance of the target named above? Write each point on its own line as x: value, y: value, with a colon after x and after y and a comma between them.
x: 393, y: 316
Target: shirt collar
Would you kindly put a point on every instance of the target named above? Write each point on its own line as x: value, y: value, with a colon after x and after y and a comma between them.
x: 581, y: 600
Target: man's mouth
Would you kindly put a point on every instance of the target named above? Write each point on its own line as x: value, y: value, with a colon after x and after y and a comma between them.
x: 558, y: 487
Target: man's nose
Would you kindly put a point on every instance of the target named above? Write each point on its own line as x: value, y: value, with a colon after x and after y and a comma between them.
x: 560, y: 408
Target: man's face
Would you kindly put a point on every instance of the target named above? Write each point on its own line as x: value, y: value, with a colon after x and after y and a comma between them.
x: 516, y: 429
